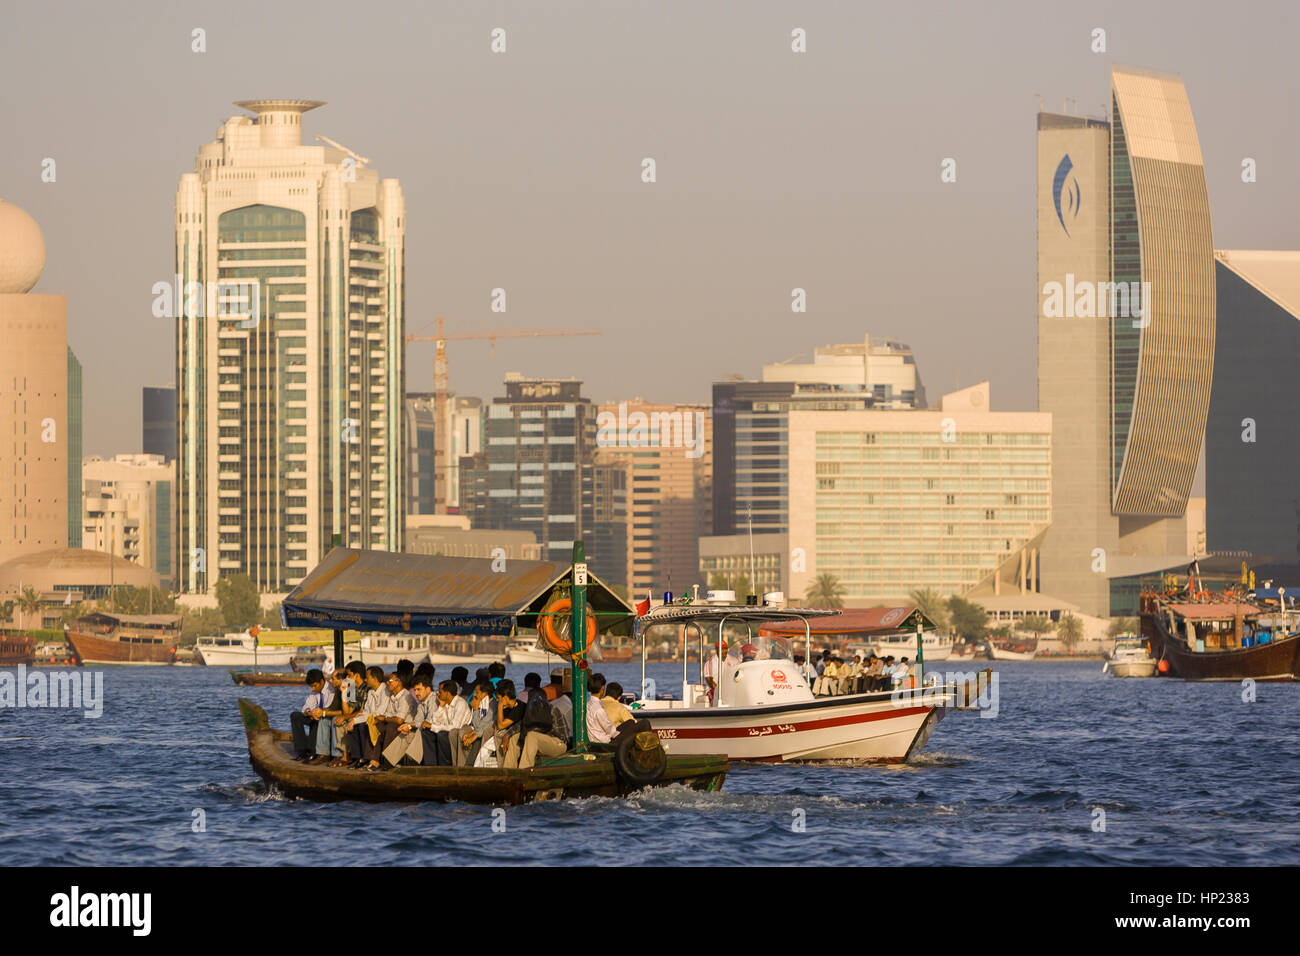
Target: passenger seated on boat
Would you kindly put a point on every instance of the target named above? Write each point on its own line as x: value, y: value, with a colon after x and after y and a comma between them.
x: 555, y: 689
x: 887, y: 673
x: 449, y: 718
x: 614, y: 706
x: 532, y: 684
x: 408, y: 744
x: 541, y: 732
x: 600, y: 729
x: 303, y: 722
x: 510, y: 711
x: 496, y: 671
x: 828, y: 682
x: 400, y: 708
x: 326, y: 739
x: 872, y: 673
x: 466, y: 744
x: 901, y: 673
x: 362, y: 733
x: 425, y: 669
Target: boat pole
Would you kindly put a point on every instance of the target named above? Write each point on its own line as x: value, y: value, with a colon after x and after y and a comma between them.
x: 336, y: 541
x: 579, y: 648
x: 920, y: 653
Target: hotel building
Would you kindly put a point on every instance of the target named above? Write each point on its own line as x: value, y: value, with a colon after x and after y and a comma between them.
x: 954, y: 499
x: 127, y: 509
x: 289, y: 402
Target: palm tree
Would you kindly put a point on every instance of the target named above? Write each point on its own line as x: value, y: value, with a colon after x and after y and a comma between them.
x: 1122, y: 625
x: 1037, y: 625
x: 1069, y: 629
x: 826, y: 591
x: 932, y: 604
x: 30, y: 601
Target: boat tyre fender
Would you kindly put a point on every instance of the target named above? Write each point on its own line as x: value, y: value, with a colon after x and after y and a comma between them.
x: 550, y: 634
x: 639, y: 759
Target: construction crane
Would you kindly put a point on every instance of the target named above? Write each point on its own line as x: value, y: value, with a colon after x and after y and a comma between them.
x: 442, y: 456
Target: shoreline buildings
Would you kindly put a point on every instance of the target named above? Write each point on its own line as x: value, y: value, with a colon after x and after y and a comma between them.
x: 290, y: 379
x: 127, y: 509
x: 1126, y: 330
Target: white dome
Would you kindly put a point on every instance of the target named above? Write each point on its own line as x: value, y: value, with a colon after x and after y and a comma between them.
x: 22, y: 249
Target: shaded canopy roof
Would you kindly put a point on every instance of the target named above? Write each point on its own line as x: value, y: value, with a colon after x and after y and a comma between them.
x: 433, y: 594
x: 134, y: 620
x: 860, y: 621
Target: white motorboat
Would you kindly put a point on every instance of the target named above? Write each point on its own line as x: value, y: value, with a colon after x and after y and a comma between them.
x: 938, y: 647
x: 1130, y: 657
x: 238, y: 650
x: 765, y: 709
x: 380, y: 649
x: 526, y: 650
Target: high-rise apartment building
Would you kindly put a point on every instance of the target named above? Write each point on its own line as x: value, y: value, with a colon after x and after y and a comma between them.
x: 74, y: 450
x: 127, y: 509
x: 1252, y: 441
x: 290, y: 379
x: 891, y: 501
x: 665, y: 451
x: 541, y: 445
x: 36, y: 430
x: 1125, y: 336
x: 750, y: 422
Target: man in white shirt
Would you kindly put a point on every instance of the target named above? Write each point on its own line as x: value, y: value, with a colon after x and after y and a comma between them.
x: 600, y: 729
x: 711, y: 678
x: 401, y: 708
x: 450, y: 714
x: 409, y: 741
x: 303, y: 722
x: 376, y: 706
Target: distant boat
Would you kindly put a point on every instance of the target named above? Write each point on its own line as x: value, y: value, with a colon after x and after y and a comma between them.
x: 15, y: 649
x: 1130, y: 657
x: 135, y: 639
x: 525, y: 651
x: 1222, y: 636
x: 235, y: 650
x: 938, y: 647
x: 1013, y: 649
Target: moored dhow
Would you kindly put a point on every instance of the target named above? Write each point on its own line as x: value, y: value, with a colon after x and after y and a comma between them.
x: 137, y: 639
x: 1199, y: 636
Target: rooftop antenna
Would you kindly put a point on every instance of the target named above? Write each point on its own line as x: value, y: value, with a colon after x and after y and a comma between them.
x: 1040, y: 101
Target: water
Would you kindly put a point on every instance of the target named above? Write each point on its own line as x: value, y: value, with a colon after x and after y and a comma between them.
x: 1184, y: 774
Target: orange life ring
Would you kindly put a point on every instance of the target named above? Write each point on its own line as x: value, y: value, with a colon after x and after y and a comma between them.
x: 550, y: 634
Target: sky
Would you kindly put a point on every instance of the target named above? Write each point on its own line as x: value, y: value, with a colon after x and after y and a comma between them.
x: 522, y: 170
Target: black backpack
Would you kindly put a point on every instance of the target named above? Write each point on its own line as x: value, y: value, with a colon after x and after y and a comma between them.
x: 537, y: 713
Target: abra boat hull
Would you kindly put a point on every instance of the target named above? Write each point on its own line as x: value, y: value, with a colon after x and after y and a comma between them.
x: 267, y: 678
x: 271, y: 754
x: 871, y: 728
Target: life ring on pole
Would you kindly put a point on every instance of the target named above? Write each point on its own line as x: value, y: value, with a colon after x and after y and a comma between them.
x: 549, y: 632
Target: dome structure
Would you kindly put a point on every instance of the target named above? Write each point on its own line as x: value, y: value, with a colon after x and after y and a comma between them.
x: 22, y: 249
x: 71, y: 569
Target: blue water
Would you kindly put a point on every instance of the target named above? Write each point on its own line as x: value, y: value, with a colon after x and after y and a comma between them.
x: 1184, y: 774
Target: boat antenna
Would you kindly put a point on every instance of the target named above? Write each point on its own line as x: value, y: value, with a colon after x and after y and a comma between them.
x: 749, y: 517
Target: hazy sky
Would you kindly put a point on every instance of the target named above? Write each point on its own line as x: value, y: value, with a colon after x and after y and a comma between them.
x: 522, y: 170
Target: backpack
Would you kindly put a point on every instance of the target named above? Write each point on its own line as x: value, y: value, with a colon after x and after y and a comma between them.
x: 537, y: 713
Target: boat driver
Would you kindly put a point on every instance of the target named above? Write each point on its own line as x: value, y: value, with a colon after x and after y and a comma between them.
x: 711, y: 677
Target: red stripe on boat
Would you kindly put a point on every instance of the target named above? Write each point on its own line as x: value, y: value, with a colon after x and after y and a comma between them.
x: 684, y: 733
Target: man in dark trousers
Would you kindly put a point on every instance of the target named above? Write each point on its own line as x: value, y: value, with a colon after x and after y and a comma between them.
x: 303, y: 722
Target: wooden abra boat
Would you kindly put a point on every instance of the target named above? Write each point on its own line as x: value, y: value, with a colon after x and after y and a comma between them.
x: 268, y: 678
x: 640, y: 762
x: 1221, y: 637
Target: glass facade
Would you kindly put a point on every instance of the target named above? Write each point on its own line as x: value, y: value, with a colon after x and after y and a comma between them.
x: 1126, y: 267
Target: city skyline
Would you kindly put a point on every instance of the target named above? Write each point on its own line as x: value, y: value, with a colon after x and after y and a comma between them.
x: 556, y: 213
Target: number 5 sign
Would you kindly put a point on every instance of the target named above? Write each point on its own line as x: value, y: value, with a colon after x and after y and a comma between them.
x: 579, y: 575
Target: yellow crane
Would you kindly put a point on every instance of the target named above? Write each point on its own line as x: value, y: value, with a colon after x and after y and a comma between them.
x: 443, y: 455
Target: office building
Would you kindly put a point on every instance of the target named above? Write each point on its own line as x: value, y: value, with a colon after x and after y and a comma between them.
x: 127, y: 509
x: 74, y: 450
x: 665, y: 452
x: 1125, y: 337
x: 891, y: 501
x: 289, y: 415
x: 541, y: 445
x: 158, y: 422
x: 36, y: 432
x: 750, y: 419
x: 465, y: 427
x: 1252, y: 443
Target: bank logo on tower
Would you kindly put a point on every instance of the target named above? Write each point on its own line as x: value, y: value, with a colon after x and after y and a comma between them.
x: 1071, y: 192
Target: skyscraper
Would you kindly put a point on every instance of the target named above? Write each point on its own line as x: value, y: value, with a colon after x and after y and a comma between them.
x: 290, y: 377
x: 35, y: 431
x: 74, y: 450
x: 1252, y: 442
x: 1125, y: 336
x: 158, y: 422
